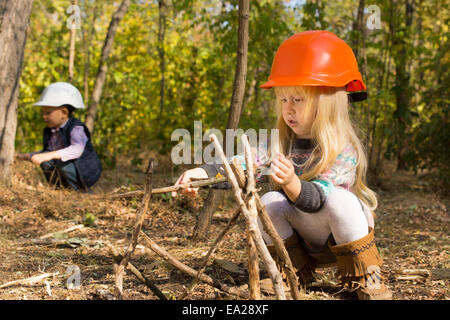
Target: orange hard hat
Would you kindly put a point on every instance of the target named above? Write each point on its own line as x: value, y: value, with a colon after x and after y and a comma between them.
x: 316, y: 58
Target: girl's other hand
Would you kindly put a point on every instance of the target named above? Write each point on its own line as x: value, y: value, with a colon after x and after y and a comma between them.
x: 197, y: 173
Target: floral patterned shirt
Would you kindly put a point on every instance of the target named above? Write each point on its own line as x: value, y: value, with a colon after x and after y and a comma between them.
x: 341, y: 174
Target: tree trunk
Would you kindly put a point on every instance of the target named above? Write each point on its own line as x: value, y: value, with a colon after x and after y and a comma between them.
x: 73, y: 36
x: 88, y: 33
x: 373, y: 156
x: 241, y: 66
x: 162, y: 19
x: 358, y: 45
x: 214, y: 195
x: 358, y: 28
x: 14, y: 20
x: 402, y: 90
x: 205, y: 216
x: 103, y: 68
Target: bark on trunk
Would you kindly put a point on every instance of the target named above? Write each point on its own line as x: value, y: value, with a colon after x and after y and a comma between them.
x: 88, y: 34
x: 241, y: 66
x: 73, y: 36
x: 402, y: 90
x: 103, y: 68
x: 162, y: 9
x: 214, y: 195
x: 14, y: 20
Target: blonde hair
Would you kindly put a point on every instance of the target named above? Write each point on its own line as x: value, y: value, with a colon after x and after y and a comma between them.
x: 332, y: 130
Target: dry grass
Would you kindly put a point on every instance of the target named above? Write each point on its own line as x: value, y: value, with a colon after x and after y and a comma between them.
x: 411, y: 228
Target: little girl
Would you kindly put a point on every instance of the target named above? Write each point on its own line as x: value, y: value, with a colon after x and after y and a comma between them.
x: 322, y: 208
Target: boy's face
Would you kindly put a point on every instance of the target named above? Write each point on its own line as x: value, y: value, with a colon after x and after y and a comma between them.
x: 54, y: 117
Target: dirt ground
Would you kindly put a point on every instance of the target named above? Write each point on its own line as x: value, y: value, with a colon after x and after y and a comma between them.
x: 412, y: 233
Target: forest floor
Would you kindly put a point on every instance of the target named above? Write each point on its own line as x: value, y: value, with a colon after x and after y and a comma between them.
x: 412, y: 233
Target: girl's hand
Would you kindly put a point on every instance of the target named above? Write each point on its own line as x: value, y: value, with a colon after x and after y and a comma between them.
x: 284, y: 174
x: 283, y: 171
x: 197, y: 173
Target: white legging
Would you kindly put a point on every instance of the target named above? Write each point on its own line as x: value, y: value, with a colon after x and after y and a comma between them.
x: 342, y: 215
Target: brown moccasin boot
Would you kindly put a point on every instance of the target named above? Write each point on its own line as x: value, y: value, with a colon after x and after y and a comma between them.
x: 359, y: 267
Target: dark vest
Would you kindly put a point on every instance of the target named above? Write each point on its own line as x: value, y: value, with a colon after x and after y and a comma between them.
x: 88, y: 164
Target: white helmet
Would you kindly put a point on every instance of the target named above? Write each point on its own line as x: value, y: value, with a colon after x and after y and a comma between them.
x: 61, y: 93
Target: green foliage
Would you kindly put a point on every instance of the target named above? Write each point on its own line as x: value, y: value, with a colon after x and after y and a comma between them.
x: 89, y: 219
x: 431, y: 141
x: 405, y: 69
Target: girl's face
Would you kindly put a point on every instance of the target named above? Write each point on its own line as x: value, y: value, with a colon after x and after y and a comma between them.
x: 54, y: 117
x: 295, y: 113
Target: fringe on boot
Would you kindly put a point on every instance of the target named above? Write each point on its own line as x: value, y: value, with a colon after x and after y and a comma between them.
x: 359, y: 267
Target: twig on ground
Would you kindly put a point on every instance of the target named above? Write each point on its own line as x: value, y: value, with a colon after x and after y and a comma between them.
x: 188, y: 270
x: 71, y: 242
x: 52, y: 234
x: 28, y: 281
x: 214, y: 246
x: 120, y: 268
x: 149, y: 283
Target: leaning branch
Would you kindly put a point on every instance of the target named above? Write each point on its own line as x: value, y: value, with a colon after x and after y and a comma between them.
x: 120, y: 268
x: 251, y: 220
x: 213, y: 248
x: 189, y: 271
x: 149, y: 283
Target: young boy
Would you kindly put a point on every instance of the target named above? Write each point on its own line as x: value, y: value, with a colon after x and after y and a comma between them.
x: 68, y: 158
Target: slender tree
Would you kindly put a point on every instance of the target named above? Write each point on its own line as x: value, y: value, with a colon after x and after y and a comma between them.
x: 73, y: 37
x: 88, y: 32
x: 402, y: 89
x: 236, y: 105
x: 100, y: 80
x: 162, y: 25
x: 14, y: 20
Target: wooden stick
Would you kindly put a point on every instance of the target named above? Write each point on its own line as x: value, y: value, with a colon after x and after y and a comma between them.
x: 194, y: 184
x: 50, y: 235
x: 253, y: 268
x: 188, y: 270
x: 279, y: 248
x: 149, y: 283
x: 252, y: 253
x: 253, y: 261
x: 213, y: 248
x: 268, y: 226
x: 239, y: 173
x: 420, y: 272
x: 120, y: 268
x: 252, y: 224
x: 28, y: 281
x: 71, y: 242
